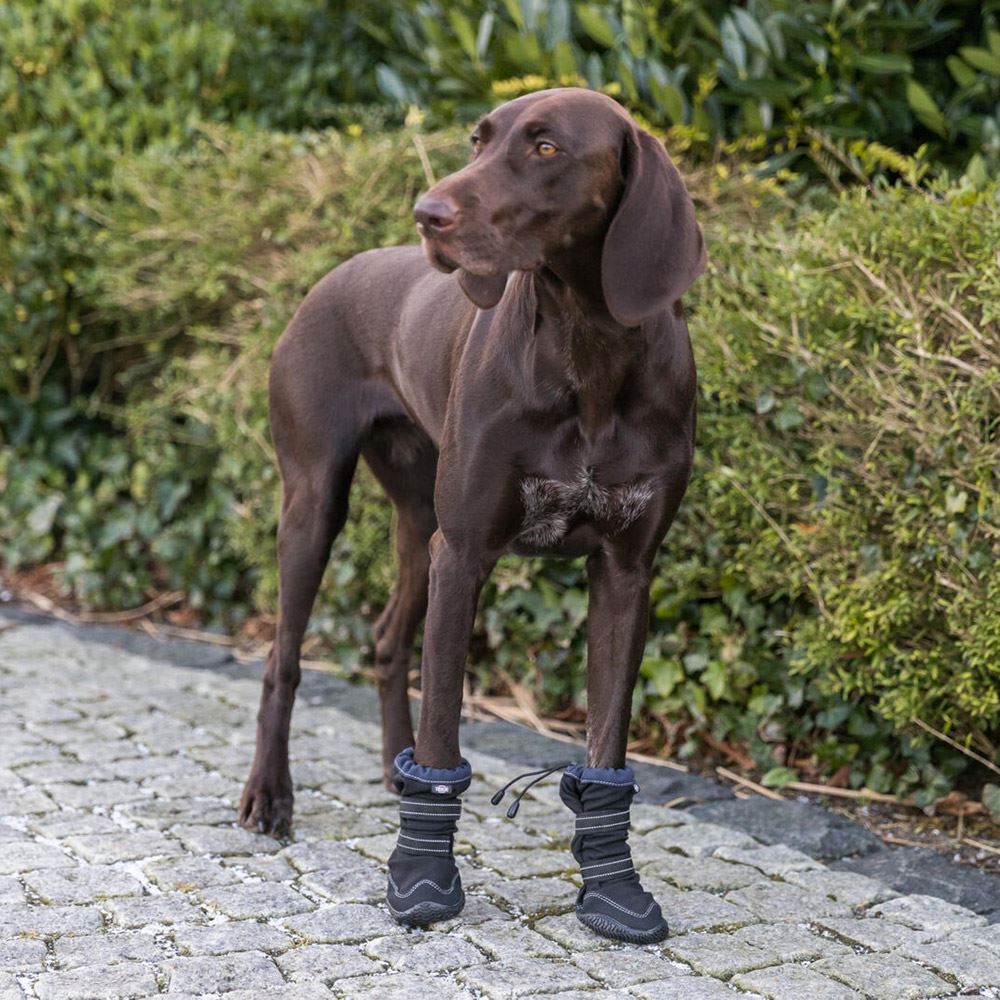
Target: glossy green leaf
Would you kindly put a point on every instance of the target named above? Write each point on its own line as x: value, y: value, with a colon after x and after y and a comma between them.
x: 963, y: 74
x: 596, y: 24
x: 924, y: 107
x: 750, y: 29
x: 484, y: 33
x: 883, y: 63
x: 670, y: 99
x: 733, y: 45
x: 464, y: 32
x: 982, y: 59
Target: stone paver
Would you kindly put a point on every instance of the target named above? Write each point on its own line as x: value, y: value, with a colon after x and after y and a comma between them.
x: 326, y: 962
x: 22, y: 955
x: 780, y: 901
x: 245, y: 901
x: 122, y: 873
x: 794, y: 982
x: 128, y: 947
x: 885, y: 977
x: 26, y: 857
x: 402, y: 986
x: 927, y: 913
x: 81, y: 885
x: 964, y: 961
x: 518, y: 977
x: 773, y: 860
x: 435, y: 953
x: 693, y: 988
x: 98, y: 983
x: 222, y: 939
x: 874, y: 934
x: 223, y: 973
x: 703, y: 873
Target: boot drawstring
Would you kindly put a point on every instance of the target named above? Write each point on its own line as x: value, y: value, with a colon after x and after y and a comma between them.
x: 542, y: 774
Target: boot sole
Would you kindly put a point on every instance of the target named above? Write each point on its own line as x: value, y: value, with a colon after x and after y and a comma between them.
x: 427, y: 912
x: 608, y: 927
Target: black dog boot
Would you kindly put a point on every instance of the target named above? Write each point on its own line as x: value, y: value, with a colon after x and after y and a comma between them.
x: 424, y: 884
x: 611, y: 902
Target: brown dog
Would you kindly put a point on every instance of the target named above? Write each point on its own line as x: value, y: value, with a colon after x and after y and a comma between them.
x: 539, y: 401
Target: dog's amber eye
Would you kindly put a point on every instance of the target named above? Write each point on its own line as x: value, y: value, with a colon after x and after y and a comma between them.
x: 475, y: 142
x: 544, y: 148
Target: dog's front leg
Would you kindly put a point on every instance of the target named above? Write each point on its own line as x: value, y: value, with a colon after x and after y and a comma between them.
x: 612, y: 900
x: 617, y: 623
x: 424, y: 881
x: 456, y: 579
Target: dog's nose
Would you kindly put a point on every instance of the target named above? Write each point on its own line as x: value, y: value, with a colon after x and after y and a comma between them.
x: 435, y: 216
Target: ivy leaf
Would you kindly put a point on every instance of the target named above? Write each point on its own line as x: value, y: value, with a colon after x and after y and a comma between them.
x: 788, y: 417
x: 778, y: 777
x: 43, y: 515
x: 716, y: 679
x: 955, y: 501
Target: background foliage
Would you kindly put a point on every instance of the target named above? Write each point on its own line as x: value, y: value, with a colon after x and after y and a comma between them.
x: 172, y: 183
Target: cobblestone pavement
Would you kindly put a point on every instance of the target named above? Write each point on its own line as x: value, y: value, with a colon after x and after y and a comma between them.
x: 122, y: 873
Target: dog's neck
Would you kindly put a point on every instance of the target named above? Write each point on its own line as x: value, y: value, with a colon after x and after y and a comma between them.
x: 595, y: 351
x: 570, y: 284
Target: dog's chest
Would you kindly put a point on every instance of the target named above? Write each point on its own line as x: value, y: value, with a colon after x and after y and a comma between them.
x: 551, y: 505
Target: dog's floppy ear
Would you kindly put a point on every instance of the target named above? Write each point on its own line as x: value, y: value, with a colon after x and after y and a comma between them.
x: 654, y: 248
x: 484, y: 290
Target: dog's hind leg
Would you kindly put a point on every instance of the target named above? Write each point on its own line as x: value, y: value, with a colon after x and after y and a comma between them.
x: 313, y: 513
x: 317, y: 424
x: 404, y: 461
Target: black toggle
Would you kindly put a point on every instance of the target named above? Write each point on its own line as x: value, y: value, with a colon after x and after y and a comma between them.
x: 542, y: 774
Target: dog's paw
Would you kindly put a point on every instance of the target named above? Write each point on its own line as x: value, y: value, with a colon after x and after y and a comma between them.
x: 266, y: 808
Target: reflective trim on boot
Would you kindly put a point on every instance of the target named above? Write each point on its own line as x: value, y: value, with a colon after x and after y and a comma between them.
x: 424, y: 883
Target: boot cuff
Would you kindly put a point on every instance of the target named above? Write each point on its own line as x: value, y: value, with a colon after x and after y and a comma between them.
x: 602, y: 775
x: 439, y: 780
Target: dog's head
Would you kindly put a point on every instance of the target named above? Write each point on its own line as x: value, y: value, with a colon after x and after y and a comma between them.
x: 560, y: 168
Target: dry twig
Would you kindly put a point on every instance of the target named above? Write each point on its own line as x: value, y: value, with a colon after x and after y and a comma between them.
x: 958, y: 746
x: 102, y: 617
x: 849, y: 793
x: 747, y: 783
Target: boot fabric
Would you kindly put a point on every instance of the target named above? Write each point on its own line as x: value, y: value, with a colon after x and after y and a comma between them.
x: 424, y: 884
x: 612, y: 902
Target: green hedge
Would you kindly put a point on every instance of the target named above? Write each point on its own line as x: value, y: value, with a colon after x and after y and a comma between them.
x: 799, y: 78
x: 833, y: 570
x: 85, y: 82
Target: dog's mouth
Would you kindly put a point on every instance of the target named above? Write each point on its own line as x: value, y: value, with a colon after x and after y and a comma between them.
x: 439, y: 259
x: 445, y: 257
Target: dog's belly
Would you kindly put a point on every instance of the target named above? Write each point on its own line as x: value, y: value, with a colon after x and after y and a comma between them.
x: 553, y: 506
